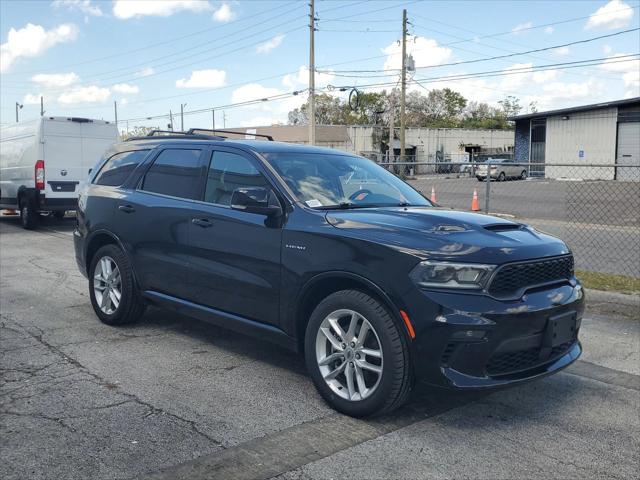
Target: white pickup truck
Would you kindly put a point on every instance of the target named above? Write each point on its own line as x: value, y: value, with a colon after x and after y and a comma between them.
x: 44, y: 162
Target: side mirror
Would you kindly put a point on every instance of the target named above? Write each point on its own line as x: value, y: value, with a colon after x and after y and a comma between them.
x: 258, y: 200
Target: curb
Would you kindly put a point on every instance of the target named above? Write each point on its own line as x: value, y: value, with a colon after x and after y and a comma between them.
x: 613, y: 303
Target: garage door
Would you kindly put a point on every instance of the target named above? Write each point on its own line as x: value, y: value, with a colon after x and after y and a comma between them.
x: 628, y: 156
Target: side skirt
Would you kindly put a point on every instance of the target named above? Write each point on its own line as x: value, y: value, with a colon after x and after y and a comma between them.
x: 223, y: 319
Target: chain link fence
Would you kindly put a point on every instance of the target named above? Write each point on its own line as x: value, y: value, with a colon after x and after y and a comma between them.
x: 595, y: 208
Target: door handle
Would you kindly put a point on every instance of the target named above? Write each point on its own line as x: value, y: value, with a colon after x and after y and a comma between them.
x: 126, y: 208
x: 202, y: 222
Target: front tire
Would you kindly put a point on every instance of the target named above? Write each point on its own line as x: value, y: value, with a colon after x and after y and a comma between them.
x: 114, y: 295
x: 502, y: 177
x: 523, y: 175
x: 59, y: 214
x: 356, y: 355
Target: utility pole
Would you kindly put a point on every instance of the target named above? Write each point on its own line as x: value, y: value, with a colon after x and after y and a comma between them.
x: 115, y: 111
x: 312, y: 75
x: 171, y: 120
x: 403, y: 90
x: 213, y: 118
x: 392, y: 125
x: 41, y: 106
x: 18, y: 107
x: 182, y: 105
x: 224, y: 119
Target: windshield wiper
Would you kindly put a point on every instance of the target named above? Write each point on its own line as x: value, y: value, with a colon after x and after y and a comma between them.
x: 347, y: 206
x: 404, y: 204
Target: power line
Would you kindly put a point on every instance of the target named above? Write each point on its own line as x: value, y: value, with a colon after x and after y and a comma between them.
x: 154, y: 45
x: 497, y: 57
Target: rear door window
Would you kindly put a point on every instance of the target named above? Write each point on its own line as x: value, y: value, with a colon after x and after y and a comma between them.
x: 118, y: 168
x: 175, y: 172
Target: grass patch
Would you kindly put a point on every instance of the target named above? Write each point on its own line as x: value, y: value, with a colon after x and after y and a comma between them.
x: 609, y: 281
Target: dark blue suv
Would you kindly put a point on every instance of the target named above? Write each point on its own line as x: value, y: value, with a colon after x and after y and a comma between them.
x: 329, y: 254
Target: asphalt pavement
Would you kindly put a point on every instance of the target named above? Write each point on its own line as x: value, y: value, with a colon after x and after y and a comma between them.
x: 172, y: 397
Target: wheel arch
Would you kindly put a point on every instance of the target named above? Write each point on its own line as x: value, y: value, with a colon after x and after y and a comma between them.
x: 98, y: 240
x: 324, y: 284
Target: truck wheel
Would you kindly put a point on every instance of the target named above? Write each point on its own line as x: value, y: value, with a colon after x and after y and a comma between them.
x: 357, y: 356
x: 114, y: 295
x: 502, y: 177
x: 28, y: 215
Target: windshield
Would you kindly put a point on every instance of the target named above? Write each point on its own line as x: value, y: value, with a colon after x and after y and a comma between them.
x: 342, y: 181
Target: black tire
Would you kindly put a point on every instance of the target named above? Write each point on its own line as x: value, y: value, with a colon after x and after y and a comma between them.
x: 523, y: 175
x: 480, y: 179
x: 395, y: 382
x: 131, y: 305
x: 502, y: 177
x: 59, y: 214
x: 28, y: 215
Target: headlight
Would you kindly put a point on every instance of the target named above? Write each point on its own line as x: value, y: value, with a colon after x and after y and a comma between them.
x: 451, y: 275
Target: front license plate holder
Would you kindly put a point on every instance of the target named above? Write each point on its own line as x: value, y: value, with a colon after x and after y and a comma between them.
x: 561, y: 329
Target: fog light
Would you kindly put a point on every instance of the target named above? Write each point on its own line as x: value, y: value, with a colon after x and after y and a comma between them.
x: 469, y: 335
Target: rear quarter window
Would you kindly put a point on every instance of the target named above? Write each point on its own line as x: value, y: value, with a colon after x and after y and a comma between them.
x: 118, y: 168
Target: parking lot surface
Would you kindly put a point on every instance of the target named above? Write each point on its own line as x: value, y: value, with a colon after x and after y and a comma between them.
x: 172, y: 397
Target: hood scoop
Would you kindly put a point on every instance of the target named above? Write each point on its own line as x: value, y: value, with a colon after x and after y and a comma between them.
x: 502, y: 227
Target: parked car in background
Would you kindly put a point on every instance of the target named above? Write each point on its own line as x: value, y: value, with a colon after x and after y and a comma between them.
x: 44, y: 163
x: 331, y: 255
x: 501, y: 169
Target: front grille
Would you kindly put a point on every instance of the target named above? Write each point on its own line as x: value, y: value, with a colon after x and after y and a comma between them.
x: 510, y: 362
x: 446, y: 354
x: 512, y: 278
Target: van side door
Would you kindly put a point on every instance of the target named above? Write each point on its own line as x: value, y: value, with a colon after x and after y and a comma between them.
x: 235, y: 263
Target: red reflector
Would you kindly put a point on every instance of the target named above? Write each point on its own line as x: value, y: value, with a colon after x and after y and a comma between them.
x: 39, y: 174
x: 407, y: 322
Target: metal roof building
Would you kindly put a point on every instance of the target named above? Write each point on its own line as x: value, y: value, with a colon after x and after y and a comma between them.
x: 603, y: 134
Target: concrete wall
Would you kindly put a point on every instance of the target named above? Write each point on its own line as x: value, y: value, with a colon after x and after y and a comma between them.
x: 593, y: 133
x: 429, y: 140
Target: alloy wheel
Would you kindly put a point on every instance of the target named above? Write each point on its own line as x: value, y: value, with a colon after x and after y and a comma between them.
x: 107, y: 285
x: 349, y: 354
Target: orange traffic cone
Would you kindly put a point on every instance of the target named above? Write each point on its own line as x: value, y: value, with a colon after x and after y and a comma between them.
x: 433, y: 195
x: 475, y: 207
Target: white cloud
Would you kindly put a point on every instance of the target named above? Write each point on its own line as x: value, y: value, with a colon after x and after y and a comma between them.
x: 615, y: 14
x: 425, y: 52
x: 525, y: 76
x: 224, y: 13
x: 91, y: 94
x: 52, y: 80
x: 269, y: 45
x: 125, y: 88
x: 125, y: 9
x: 301, y: 78
x: 556, y: 91
x: 84, y: 6
x: 562, y: 51
x: 32, y: 99
x: 607, y: 49
x: 145, y: 72
x: 253, y: 91
x: 544, y: 76
x: 203, y: 79
x: 32, y: 41
x: 521, y: 26
x: 124, y: 102
x: 549, y: 30
x: 630, y: 70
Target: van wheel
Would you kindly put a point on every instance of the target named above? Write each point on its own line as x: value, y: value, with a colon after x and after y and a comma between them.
x: 356, y: 355
x: 28, y: 215
x: 59, y: 214
x: 502, y: 177
x: 523, y: 175
x: 114, y: 295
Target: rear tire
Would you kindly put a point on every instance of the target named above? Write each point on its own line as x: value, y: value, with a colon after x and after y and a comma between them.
x: 523, y: 175
x: 59, y: 214
x: 114, y: 295
x: 372, y: 391
x: 28, y: 215
x: 502, y: 177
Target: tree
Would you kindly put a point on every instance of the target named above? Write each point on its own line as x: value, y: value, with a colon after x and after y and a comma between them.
x: 329, y: 111
x: 510, y: 105
x: 136, y: 132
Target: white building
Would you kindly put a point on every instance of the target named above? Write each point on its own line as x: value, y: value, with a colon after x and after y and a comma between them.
x: 600, y: 134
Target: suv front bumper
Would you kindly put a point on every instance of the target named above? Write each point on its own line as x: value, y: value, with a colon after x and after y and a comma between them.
x: 467, y: 341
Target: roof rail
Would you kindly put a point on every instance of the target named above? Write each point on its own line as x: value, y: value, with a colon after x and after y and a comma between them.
x: 170, y: 134
x: 195, y: 131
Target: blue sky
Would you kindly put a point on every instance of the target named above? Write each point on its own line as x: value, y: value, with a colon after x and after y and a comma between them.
x: 153, y: 56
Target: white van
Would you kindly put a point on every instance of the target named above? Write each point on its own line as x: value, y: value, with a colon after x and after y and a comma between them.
x: 44, y: 162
